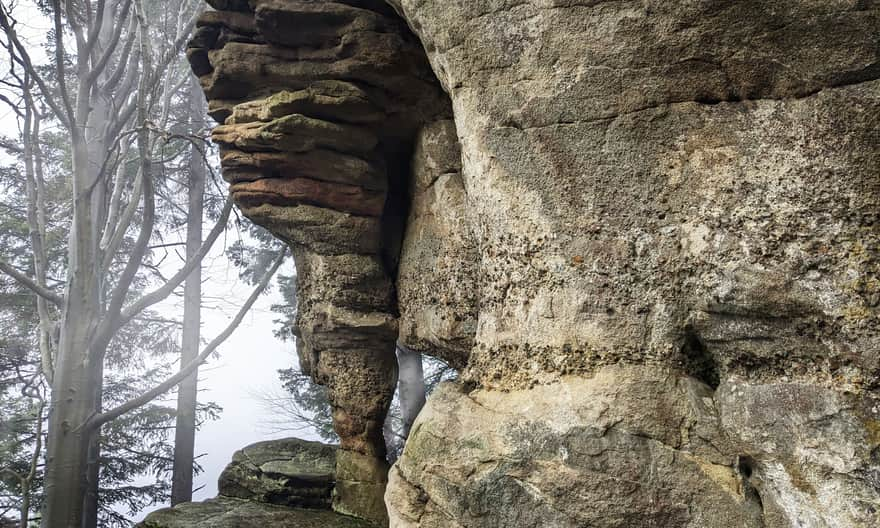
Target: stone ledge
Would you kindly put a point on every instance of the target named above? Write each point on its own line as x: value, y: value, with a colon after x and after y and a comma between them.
x: 288, y: 472
x: 226, y: 512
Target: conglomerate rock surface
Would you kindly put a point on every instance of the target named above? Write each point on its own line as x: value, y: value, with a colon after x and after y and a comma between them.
x: 646, y: 231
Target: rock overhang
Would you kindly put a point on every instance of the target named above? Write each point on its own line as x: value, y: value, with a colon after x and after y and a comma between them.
x: 636, y: 186
x: 320, y: 104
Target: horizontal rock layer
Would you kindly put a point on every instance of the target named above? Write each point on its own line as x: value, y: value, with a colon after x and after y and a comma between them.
x: 319, y: 104
x: 625, y: 210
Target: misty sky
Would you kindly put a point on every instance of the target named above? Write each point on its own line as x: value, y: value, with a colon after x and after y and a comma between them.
x: 245, y: 369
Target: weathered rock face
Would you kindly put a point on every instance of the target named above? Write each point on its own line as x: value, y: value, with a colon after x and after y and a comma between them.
x: 631, y: 446
x: 320, y: 103
x: 224, y: 512
x: 286, y: 472
x: 608, y: 173
x: 649, y: 235
x: 685, y: 188
x: 437, y: 282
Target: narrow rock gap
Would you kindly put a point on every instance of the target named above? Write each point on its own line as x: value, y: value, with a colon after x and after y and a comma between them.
x: 747, y: 468
x: 698, y: 361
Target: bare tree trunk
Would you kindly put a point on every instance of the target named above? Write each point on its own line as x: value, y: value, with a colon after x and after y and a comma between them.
x: 79, y: 360
x: 73, y: 395
x: 69, y: 438
x: 95, y: 117
x: 187, y: 394
x: 27, y: 482
x: 411, y: 384
x: 93, y: 475
x: 99, y: 121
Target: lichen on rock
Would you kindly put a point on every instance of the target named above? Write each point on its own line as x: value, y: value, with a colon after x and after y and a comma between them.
x: 237, y: 513
x: 288, y: 472
x: 285, y: 483
x: 673, y: 186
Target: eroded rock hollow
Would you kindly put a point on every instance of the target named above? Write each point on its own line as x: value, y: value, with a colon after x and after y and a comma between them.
x: 646, y: 231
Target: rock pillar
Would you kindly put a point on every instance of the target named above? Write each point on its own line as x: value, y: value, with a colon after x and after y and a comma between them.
x: 318, y: 104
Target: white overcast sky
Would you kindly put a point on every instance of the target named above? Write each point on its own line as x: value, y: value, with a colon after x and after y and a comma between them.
x: 247, y: 362
x: 246, y: 368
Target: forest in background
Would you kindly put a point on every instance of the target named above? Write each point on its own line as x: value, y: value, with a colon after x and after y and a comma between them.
x: 106, y: 184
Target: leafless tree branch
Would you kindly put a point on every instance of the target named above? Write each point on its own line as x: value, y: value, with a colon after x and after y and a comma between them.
x: 30, y: 284
x: 185, y: 371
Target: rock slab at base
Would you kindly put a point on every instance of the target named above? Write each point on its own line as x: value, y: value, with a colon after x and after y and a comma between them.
x: 225, y: 512
x: 285, y: 483
x: 633, y: 446
x: 289, y: 472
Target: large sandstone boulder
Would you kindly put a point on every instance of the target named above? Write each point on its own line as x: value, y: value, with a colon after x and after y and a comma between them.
x: 629, y: 446
x: 646, y: 231
x: 673, y: 187
x: 286, y: 483
x: 634, y: 446
x: 288, y: 472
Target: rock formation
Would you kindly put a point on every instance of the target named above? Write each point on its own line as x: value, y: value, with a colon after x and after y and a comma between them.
x: 676, y: 206
x: 279, y: 483
x: 646, y: 231
x: 320, y: 105
x: 286, y: 472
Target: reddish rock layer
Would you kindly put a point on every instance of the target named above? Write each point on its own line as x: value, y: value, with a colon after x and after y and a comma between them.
x: 319, y: 104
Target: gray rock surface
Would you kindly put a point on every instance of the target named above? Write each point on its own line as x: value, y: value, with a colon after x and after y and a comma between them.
x: 437, y: 280
x: 676, y: 185
x: 289, y: 472
x: 813, y: 453
x: 628, y: 446
x: 237, y: 513
x: 319, y: 105
x: 285, y: 483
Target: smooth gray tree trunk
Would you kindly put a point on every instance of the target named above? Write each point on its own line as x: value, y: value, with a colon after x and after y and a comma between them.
x: 73, y: 391
x: 187, y: 395
x: 93, y: 475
